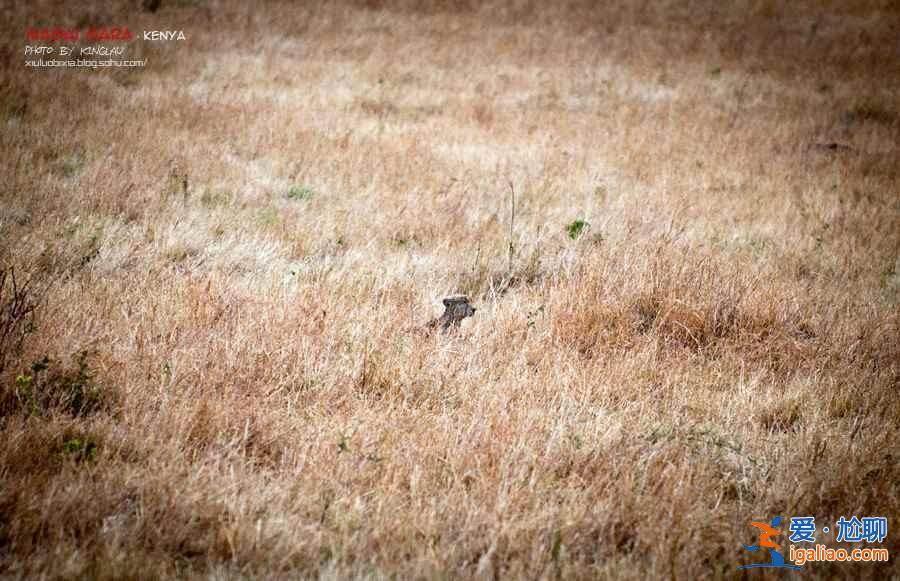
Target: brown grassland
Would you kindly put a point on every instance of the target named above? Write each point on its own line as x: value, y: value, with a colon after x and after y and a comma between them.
x: 212, y: 360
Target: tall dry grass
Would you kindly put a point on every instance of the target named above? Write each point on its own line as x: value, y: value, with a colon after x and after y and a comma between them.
x: 235, y: 249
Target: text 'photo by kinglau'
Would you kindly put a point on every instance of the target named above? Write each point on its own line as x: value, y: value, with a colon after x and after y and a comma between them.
x: 449, y: 289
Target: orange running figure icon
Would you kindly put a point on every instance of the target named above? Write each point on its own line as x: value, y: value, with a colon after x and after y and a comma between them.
x: 767, y: 532
x: 765, y: 542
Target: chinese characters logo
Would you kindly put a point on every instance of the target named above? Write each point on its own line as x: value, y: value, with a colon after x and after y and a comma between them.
x: 802, y: 529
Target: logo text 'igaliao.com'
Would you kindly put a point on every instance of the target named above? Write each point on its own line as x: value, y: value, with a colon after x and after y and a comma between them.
x: 804, y: 548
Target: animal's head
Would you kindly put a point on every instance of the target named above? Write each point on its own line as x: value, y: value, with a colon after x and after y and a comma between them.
x: 458, y: 308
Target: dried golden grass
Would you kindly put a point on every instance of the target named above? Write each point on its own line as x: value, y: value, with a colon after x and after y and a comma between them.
x: 244, y: 239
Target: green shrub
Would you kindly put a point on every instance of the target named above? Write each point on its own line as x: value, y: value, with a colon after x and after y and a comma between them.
x: 576, y: 228
x: 52, y: 386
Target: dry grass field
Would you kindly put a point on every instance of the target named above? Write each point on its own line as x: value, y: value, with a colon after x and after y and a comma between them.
x: 217, y: 366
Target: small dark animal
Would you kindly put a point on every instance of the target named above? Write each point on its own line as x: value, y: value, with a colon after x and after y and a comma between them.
x: 457, y: 308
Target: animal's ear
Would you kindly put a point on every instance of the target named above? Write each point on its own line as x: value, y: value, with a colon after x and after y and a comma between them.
x: 447, y: 302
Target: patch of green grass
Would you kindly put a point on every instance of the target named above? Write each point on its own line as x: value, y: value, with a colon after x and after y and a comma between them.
x: 79, y: 450
x: 52, y: 386
x: 576, y: 228
x: 72, y: 165
x: 300, y: 192
x: 25, y: 393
